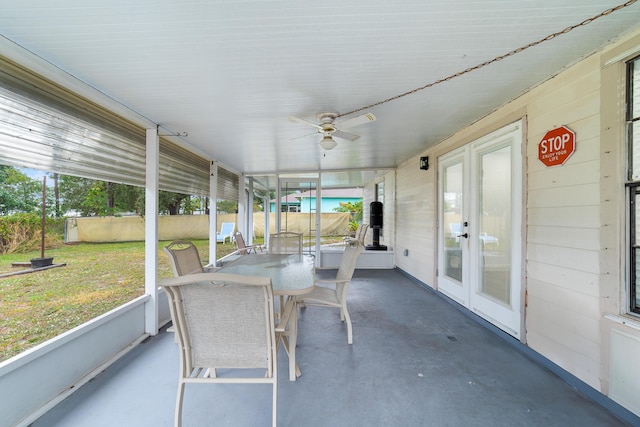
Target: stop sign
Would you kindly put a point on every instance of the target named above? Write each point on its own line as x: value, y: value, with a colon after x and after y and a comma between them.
x: 557, y: 146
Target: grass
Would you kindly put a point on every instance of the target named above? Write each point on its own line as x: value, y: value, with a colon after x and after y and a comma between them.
x: 97, y: 278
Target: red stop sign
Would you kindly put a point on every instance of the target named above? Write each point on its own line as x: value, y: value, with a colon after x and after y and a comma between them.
x: 557, y: 146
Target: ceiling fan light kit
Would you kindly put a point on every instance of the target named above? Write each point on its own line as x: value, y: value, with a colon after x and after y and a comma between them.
x: 329, y: 130
x: 328, y: 143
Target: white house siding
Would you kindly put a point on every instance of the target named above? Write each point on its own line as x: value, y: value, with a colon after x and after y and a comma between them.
x: 574, y: 220
x: 563, y: 308
x: 415, y: 220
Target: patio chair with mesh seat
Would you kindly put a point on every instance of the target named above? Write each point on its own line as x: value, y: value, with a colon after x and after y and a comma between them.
x: 223, y: 322
x: 184, y: 258
x: 285, y: 242
x: 335, y: 295
x: 242, y: 248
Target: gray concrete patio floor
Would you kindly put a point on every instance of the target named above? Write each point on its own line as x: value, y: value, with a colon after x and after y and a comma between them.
x: 416, y: 360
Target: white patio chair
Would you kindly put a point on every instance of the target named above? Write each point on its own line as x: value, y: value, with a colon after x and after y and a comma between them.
x: 223, y: 321
x: 226, y: 232
x: 359, y: 235
x: 361, y: 232
x: 285, y: 242
x: 184, y: 258
x: 336, y: 295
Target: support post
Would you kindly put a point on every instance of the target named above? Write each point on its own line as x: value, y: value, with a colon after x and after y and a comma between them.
x: 151, y: 230
x: 213, y: 212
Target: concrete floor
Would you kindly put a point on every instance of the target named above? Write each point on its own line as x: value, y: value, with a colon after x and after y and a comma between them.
x: 416, y: 360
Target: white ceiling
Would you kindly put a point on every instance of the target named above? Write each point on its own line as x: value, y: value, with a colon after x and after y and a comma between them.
x: 230, y: 72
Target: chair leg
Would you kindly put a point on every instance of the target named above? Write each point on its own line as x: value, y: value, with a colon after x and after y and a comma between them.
x: 349, y: 328
x: 179, y: 398
x: 275, y: 404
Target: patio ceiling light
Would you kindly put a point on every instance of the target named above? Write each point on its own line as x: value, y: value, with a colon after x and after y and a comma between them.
x: 328, y: 143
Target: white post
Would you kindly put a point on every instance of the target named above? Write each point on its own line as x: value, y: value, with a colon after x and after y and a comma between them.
x: 249, y: 228
x: 267, y: 216
x: 151, y: 230
x: 213, y: 212
x: 242, y: 211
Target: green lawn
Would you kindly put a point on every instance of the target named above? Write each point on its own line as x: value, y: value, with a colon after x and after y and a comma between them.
x: 97, y: 278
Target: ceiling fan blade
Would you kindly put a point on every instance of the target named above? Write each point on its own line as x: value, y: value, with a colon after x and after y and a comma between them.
x: 345, y: 135
x: 360, y: 120
x: 304, y: 136
x: 305, y: 122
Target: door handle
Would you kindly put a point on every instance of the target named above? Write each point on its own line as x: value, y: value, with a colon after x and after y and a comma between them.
x: 465, y: 235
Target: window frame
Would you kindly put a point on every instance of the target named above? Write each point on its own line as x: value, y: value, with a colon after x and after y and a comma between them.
x: 633, y: 186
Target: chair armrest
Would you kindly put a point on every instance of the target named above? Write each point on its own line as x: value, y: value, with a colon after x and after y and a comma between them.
x: 331, y: 281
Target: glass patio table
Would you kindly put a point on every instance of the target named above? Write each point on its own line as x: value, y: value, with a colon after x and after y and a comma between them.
x: 291, y: 275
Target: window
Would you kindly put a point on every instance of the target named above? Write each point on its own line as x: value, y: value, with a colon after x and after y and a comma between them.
x: 633, y: 179
x: 380, y: 192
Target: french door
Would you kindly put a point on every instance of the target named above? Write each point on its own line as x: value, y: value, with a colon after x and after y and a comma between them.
x: 298, y: 209
x: 480, y: 217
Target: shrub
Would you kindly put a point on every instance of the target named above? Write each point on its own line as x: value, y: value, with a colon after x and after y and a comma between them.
x: 21, y: 233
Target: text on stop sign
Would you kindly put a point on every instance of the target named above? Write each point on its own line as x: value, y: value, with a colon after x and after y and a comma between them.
x: 554, y: 144
x: 557, y: 146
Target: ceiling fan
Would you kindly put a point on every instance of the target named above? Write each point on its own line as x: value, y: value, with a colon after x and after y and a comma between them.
x: 329, y: 130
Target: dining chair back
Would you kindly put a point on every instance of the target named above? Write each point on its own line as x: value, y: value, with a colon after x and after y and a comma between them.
x: 223, y: 321
x: 286, y: 242
x: 242, y: 247
x: 184, y: 258
x: 361, y: 232
x: 331, y: 290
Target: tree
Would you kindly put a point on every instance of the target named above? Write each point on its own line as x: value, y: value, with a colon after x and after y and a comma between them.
x: 18, y: 192
x: 171, y: 202
x: 356, y: 213
x: 228, y: 206
x: 354, y: 208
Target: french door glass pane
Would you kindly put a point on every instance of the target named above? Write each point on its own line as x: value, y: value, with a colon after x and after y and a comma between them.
x: 635, y: 90
x: 635, y: 149
x: 453, y: 227
x: 635, y: 245
x: 494, y: 224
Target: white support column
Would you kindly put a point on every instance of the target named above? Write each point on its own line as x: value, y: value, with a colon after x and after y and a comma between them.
x: 242, y: 204
x: 249, y: 230
x: 213, y: 212
x: 151, y: 230
x: 267, y: 216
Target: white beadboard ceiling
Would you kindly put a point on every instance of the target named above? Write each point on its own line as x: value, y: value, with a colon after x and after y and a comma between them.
x: 230, y: 72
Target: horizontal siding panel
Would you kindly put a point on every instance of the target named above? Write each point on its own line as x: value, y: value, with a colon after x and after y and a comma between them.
x: 582, y: 86
x: 571, y: 111
x: 566, y: 78
x: 580, y: 217
x: 566, y: 330
x: 562, y: 176
x: 415, y: 214
x: 569, y: 237
x: 573, y: 280
x: 561, y: 305
x: 575, y: 195
x: 577, y: 259
x: 580, y: 365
